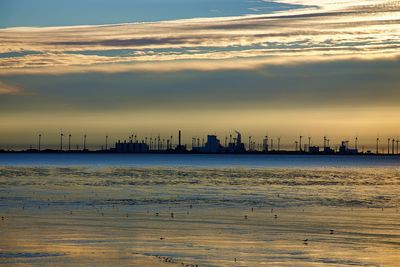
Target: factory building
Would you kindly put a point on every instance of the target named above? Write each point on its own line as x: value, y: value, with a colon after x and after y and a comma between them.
x: 344, y: 148
x: 213, y: 145
x: 313, y: 149
x: 236, y: 146
x: 131, y: 147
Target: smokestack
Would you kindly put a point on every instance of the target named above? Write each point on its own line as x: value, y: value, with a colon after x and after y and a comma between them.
x: 179, y: 137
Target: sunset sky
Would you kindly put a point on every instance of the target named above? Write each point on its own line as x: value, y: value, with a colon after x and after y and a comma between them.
x: 286, y: 68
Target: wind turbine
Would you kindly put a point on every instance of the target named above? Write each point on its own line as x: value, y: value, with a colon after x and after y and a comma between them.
x: 377, y: 145
x: 40, y: 140
x: 61, y: 141
x: 279, y: 143
x: 388, y: 146
x: 300, y: 142
x: 393, y: 146
x: 84, y: 142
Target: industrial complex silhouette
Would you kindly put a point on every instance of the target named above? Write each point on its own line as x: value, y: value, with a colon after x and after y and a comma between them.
x: 212, y: 145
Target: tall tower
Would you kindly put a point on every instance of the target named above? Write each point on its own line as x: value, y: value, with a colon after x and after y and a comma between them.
x: 84, y: 142
x: 180, y: 148
x: 377, y: 145
x: 61, y: 141
x: 300, y: 142
x: 250, y: 148
x: 279, y: 143
x: 265, y: 144
x: 356, y: 143
x: 40, y: 140
x: 388, y: 151
x: 393, y: 146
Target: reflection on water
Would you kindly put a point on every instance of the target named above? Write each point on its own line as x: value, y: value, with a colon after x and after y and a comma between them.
x: 53, y: 215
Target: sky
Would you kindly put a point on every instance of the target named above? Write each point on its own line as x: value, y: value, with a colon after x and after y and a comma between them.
x: 283, y: 68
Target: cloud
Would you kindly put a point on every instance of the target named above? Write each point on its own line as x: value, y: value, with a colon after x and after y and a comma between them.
x: 330, y: 85
x: 177, y: 63
x: 324, y: 30
x: 6, y: 89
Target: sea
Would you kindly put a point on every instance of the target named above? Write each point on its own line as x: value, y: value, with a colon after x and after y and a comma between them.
x: 199, y: 210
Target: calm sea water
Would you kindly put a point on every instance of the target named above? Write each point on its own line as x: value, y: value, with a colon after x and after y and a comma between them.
x: 198, y: 161
x: 205, y: 210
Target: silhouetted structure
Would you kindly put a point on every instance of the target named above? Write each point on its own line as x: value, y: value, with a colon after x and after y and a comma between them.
x: 313, y: 149
x: 180, y: 148
x: 265, y: 144
x: 131, y: 147
x: 344, y: 148
x: 236, y: 146
x: 213, y: 145
x: 40, y: 142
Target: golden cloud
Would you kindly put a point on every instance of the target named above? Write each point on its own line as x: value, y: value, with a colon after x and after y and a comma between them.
x: 325, y: 30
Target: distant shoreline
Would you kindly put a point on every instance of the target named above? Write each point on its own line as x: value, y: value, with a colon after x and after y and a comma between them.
x: 300, y: 153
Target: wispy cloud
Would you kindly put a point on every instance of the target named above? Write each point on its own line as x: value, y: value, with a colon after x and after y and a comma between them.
x: 6, y: 89
x: 326, y: 30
